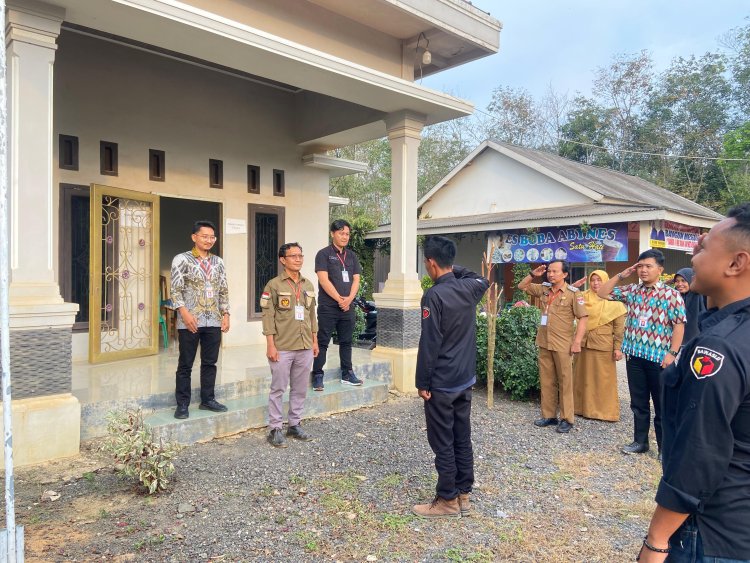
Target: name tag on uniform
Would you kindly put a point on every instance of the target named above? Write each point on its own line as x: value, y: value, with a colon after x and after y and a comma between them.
x: 543, y: 320
x: 643, y: 322
x: 299, y: 313
x: 345, y: 276
x: 209, y: 292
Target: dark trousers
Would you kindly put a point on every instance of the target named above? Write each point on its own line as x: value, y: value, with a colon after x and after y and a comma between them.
x: 209, y: 338
x: 643, y: 382
x: 448, y: 418
x: 343, y: 323
x: 687, y: 546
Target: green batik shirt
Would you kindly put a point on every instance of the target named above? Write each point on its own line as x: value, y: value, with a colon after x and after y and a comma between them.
x: 201, y: 286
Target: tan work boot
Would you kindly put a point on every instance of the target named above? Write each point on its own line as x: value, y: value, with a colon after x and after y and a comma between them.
x: 438, y: 508
x: 465, y: 503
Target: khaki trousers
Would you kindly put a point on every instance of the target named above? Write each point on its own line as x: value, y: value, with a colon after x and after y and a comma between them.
x: 556, y: 382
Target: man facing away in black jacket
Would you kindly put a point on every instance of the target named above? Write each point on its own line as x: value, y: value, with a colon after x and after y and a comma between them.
x: 446, y: 371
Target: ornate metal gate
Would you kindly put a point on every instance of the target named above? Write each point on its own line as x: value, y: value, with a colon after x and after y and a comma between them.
x: 124, y: 259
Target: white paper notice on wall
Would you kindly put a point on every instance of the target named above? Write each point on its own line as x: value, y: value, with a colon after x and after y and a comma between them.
x: 235, y: 227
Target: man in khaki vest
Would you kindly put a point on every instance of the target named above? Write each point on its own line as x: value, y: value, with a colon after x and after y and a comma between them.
x: 290, y: 326
x: 558, y: 339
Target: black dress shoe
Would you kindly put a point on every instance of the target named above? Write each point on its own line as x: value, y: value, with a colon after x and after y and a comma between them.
x: 542, y: 422
x: 635, y: 448
x: 181, y: 412
x: 213, y: 405
x: 564, y: 427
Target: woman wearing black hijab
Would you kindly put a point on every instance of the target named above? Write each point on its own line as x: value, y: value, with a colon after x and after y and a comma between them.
x: 695, y: 304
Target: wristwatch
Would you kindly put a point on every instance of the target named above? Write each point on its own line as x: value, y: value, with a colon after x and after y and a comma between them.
x: 674, y: 353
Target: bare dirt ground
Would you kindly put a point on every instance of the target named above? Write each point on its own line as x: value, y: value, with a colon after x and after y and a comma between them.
x: 540, y: 496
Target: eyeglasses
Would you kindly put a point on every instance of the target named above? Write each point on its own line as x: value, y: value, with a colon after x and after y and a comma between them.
x: 295, y: 256
x: 206, y: 237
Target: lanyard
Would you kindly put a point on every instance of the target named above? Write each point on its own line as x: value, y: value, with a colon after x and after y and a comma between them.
x: 343, y: 262
x: 551, y: 300
x: 296, y: 288
x: 205, y: 267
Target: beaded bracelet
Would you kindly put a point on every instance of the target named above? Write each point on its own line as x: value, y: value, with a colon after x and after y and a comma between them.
x: 656, y: 549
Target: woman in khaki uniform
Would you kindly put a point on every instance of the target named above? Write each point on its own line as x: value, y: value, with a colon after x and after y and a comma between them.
x: 594, y: 373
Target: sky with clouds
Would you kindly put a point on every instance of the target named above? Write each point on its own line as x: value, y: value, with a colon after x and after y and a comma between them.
x: 561, y: 42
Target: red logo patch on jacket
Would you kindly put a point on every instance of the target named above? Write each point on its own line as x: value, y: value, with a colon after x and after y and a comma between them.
x: 705, y: 362
x: 425, y: 312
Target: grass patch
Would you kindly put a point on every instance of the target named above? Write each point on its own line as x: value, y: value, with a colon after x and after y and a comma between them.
x: 296, y: 480
x: 103, y: 514
x: 396, y: 522
x: 391, y: 481
x: 462, y: 555
x: 308, y: 541
x: 347, y: 483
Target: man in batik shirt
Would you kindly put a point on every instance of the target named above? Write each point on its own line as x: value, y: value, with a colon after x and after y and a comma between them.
x: 200, y: 295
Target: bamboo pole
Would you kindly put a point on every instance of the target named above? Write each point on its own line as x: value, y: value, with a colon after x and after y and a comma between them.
x: 493, y: 301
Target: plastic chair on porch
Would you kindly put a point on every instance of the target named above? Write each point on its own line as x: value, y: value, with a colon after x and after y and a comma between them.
x: 165, y: 303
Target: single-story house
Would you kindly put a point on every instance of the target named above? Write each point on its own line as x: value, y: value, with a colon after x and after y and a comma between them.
x: 130, y: 119
x: 531, y: 206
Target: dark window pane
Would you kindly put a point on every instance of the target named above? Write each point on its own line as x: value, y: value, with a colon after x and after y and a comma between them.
x: 266, y: 252
x: 79, y: 248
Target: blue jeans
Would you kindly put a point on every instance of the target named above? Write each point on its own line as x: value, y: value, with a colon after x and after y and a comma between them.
x: 687, y: 547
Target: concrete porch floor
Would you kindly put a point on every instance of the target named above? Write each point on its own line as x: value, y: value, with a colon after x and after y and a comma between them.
x: 242, y: 380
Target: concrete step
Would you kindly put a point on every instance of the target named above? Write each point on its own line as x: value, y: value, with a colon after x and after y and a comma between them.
x: 256, y: 382
x: 252, y: 412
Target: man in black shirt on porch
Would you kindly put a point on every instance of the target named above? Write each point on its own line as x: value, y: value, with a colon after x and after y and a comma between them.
x: 703, y: 505
x: 338, y: 273
x: 446, y: 371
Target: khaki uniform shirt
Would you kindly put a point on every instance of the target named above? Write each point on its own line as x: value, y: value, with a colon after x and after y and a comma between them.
x: 278, y: 302
x: 561, y: 308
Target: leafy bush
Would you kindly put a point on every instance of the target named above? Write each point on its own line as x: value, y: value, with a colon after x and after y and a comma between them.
x: 520, y: 271
x: 515, y: 362
x: 426, y: 283
x: 131, y: 442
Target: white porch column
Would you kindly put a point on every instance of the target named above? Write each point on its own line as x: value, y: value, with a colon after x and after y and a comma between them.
x: 398, y: 305
x: 46, y: 415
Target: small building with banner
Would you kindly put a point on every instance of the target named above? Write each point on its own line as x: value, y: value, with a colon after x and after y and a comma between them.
x: 530, y: 206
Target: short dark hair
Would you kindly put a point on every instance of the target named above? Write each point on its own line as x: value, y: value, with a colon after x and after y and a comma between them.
x: 564, y: 264
x: 198, y: 225
x: 339, y: 224
x: 286, y: 246
x: 654, y: 253
x: 440, y: 249
x: 740, y: 231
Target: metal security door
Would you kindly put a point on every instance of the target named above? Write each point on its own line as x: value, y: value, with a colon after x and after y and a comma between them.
x: 124, y: 270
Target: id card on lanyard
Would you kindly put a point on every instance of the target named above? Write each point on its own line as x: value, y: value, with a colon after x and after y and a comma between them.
x: 344, y: 272
x: 545, y: 316
x: 299, y: 310
x: 206, y: 269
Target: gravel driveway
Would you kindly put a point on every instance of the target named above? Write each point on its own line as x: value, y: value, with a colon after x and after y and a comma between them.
x: 347, y: 496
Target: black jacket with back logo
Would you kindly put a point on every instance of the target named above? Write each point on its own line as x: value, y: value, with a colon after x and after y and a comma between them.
x: 447, y: 354
x: 706, y: 425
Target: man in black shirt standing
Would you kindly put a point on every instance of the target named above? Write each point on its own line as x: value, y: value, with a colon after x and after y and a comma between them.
x: 703, y: 504
x: 446, y: 371
x: 338, y: 273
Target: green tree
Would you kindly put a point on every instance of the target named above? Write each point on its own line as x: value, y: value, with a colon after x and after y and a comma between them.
x: 589, y: 125
x: 688, y: 116
x: 514, y: 117
x: 370, y: 192
x: 737, y: 42
x: 623, y: 88
x: 735, y: 166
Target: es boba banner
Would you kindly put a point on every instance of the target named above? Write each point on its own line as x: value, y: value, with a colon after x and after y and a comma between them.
x: 597, y: 243
x: 666, y: 234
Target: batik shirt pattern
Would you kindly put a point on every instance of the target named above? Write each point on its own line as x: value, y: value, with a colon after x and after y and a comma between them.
x: 201, y: 286
x: 652, y: 314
